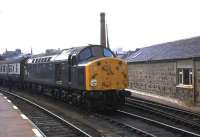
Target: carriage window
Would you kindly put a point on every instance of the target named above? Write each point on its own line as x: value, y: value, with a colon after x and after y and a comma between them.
x: 3, y: 68
x: 9, y: 68
x: 85, y: 54
x: 107, y: 53
x: 16, y: 68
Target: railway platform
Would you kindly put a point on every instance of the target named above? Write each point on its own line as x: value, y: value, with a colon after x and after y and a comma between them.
x: 164, y: 100
x: 13, y: 123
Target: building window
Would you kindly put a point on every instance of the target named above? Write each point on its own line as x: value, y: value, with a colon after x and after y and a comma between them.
x: 185, y: 76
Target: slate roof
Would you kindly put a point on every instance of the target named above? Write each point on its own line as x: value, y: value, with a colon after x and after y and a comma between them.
x: 181, y: 49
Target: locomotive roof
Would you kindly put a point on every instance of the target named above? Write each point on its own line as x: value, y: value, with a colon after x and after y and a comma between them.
x: 61, y: 56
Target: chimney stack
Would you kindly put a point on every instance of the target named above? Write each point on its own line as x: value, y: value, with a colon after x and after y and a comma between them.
x: 103, y: 30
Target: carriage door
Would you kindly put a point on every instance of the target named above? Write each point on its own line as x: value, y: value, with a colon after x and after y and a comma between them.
x: 69, y: 69
x: 72, y: 62
x: 58, y: 73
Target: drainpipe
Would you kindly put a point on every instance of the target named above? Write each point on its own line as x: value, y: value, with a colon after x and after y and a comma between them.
x: 194, y: 79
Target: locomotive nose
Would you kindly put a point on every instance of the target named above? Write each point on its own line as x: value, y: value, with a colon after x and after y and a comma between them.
x: 106, y: 74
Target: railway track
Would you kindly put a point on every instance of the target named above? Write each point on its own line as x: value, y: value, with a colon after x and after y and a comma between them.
x: 176, y: 112
x: 136, y: 132
x: 141, y: 126
x: 132, y: 124
x: 50, y: 124
x: 164, y: 130
x: 186, y: 121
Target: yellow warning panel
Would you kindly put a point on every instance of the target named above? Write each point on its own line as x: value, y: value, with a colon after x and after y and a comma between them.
x: 106, y: 74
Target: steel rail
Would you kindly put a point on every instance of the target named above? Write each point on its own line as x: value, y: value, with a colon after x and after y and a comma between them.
x: 172, y: 128
x: 127, y: 126
x: 50, y: 113
x: 164, y: 106
x: 162, y: 113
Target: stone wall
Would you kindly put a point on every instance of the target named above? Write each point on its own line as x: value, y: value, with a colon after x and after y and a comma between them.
x: 185, y: 94
x: 158, y: 78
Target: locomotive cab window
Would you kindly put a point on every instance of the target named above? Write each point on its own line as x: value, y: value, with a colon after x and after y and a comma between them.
x: 94, y: 52
x: 97, y: 51
x: 85, y: 54
x: 107, y: 53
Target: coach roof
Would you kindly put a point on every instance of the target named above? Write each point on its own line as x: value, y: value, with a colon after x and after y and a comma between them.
x: 181, y: 49
x: 16, y: 59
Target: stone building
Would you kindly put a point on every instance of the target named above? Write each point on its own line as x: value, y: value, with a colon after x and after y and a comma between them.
x: 170, y: 69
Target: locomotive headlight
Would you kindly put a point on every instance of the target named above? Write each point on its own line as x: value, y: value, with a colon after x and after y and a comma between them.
x: 93, y: 82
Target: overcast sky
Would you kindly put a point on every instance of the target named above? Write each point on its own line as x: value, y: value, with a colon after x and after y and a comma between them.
x: 43, y: 24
